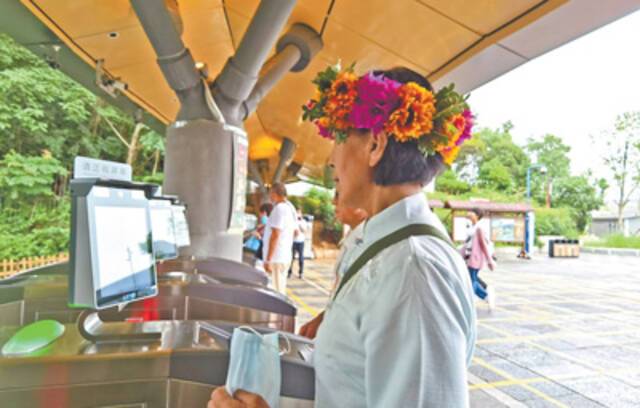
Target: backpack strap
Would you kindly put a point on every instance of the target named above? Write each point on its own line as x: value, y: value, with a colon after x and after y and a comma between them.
x: 385, y: 242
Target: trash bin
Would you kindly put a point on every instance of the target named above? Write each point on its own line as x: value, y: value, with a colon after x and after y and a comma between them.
x: 564, y: 248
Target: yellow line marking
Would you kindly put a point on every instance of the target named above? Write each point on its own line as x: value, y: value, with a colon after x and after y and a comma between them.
x: 312, y: 310
x: 550, y: 336
x: 529, y: 388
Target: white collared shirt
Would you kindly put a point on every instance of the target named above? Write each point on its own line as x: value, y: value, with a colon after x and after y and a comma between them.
x: 401, y: 333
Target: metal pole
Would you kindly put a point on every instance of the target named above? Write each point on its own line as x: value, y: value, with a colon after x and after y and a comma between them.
x: 286, y: 153
x: 174, y: 59
x: 240, y: 73
x: 279, y: 65
x: 529, y: 183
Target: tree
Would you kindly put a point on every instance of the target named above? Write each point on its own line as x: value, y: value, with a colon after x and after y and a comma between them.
x: 579, y: 195
x: 46, y: 119
x: 552, y: 153
x: 494, y: 175
x: 27, y: 180
x: 492, y: 160
x: 449, y: 183
x: 622, y: 157
x: 42, y: 109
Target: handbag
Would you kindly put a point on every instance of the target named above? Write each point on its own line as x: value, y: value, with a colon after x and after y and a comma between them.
x: 252, y: 244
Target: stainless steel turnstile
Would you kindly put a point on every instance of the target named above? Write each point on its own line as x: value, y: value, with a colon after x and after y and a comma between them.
x: 218, y: 268
x: 180, y: 370
x: 43, y: 294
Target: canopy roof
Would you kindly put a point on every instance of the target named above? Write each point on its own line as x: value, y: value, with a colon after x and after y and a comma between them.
x: 469, y: 42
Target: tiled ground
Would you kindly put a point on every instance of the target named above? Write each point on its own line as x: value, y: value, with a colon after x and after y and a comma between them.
x: 565, y: 332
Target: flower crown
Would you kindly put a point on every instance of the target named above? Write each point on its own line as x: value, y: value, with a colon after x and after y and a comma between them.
x: 439, y: 123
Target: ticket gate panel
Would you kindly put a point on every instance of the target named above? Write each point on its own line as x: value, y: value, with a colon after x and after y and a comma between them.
x: 180, y: 370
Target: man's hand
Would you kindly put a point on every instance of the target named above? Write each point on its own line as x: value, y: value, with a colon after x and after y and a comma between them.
x: 267, y: 267
x: 221, y: 399
x: 310, y: 329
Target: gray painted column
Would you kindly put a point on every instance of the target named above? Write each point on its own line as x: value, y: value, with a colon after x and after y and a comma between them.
x: 198, y: 163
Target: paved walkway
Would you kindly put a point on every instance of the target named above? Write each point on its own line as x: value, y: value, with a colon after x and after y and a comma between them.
x: 565, y: 332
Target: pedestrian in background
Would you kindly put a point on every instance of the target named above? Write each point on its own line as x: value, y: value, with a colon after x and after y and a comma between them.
x: 477, y: 252
x: 299, y: 237
x: 352, y: 220
x: 278, y: 237
x: 263, y: 218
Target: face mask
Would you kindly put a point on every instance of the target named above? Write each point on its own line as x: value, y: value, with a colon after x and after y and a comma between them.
x: 254, y: 364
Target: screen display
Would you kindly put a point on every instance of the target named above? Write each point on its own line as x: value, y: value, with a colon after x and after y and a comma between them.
x: 164, y: 233
x: 123, y: 247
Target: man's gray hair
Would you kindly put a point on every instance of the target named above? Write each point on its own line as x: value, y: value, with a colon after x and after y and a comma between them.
x: 279, y: 189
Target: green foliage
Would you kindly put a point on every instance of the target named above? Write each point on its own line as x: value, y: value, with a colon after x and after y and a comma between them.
x: 319, y: 203
x: 622, y: 157
x: 616, y: 241
x: 14, y: 56
x: 495, y: 175
x: 555, y: 221
x: 157, y: 178
x: 579, y: 195
x: 552, y: 153
x: 25, y: 180
x: 46, y: 119
x: 449, y: 183
x: 38, y: 231
x: 42, y: 109
x: 493, y: 161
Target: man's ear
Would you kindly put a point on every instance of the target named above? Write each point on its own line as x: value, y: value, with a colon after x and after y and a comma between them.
x: 378, y: 144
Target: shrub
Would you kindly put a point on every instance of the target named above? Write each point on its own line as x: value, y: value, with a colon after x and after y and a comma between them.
x: 37, y: 231
x: 555, y: 221
x: 448, y: 182
x: 319, y: 203
x: 616, y: 241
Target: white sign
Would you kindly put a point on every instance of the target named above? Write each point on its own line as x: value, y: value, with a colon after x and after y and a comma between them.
x: 240, y: 162
x: 181, y: 226
x: 85, y: 167
x: 461, y: 226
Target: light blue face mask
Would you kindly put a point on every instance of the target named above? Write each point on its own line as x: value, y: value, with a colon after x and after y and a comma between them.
x: 254, y: 364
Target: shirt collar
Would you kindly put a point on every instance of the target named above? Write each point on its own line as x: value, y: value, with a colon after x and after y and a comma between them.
x: 413, y: 209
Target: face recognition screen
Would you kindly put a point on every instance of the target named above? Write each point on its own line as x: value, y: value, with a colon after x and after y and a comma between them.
x: 124, y: 266
x: 164, y: 233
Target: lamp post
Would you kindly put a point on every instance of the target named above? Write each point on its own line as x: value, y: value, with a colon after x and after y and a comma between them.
x: 529, y: 219
x: 543, y: 170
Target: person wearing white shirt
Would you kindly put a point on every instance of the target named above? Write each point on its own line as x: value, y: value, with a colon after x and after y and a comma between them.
x: 352, y: 220
x: 298, y: 243
x: 400, y: 329
x: 278, y: 237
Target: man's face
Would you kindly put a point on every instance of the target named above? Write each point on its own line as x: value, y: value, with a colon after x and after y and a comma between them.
x: 273, y: 196
x: 352, y: 173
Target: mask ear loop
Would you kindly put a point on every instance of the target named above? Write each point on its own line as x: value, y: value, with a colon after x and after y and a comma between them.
x: 254, y: 331
x: 251, y: 329
x: 288, y: 349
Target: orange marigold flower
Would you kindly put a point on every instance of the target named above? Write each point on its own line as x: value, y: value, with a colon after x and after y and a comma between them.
x: 340, y: 99
x: 449, y: 154
x: 414, y: 116
x: 453, y: 128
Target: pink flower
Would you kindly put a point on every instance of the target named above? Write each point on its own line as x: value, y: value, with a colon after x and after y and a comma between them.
x: 468, y: 125
x: 377, y: 98
x: 323, y: 130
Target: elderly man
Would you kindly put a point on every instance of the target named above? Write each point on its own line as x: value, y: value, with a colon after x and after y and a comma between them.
x: 278, y: 237
x: 400, y: 328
